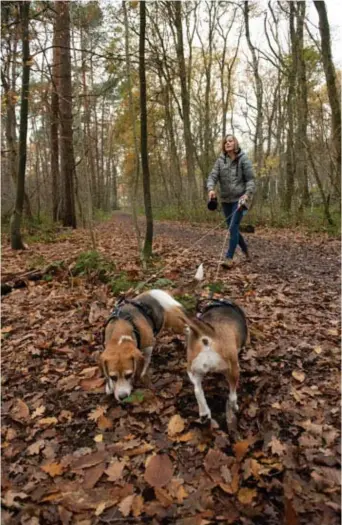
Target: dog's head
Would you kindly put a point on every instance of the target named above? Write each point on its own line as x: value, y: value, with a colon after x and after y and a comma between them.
x: 121, y: 363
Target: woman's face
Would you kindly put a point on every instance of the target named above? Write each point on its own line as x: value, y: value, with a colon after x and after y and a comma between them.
x: 229, y: 145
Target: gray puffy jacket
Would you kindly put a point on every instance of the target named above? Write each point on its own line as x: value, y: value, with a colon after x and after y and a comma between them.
x: 236, y: 177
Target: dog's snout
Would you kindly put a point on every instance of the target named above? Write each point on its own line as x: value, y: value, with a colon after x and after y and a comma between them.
x: 122, y: 395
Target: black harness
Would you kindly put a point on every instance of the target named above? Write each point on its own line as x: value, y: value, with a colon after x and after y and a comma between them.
x: 215, y: 303
x: 144, y: 309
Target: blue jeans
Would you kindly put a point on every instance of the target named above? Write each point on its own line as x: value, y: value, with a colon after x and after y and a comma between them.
x: 233, y: 218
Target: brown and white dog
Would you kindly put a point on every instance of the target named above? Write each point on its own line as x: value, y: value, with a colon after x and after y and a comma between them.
x: 214, y: 340
x: 130, y: 336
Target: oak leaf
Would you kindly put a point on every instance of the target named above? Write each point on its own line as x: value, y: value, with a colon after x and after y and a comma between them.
x: 115, y: 470
x: 53, y: 469
x: 95, y: 414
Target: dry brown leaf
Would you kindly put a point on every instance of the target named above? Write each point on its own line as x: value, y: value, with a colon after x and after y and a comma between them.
x: 92, y: 384
x: 137, y: 506
x: 298, y: 375
x: 36, y: 447
x: 226, y: 474
x: 188, y: 436
x: 176, y: 425
x: 65, y: 415
x: 47, y: 421
x: 276, y: 446
x: 20, y: 411
x: 163, y: 497
x: 97, y: 412
x: 92, y: 475
x: 104, y: 423
x: 89, y: 460
x: 11, y: 495
x: 159, y: 471
x: 38, y: 412
x: 89, y: 372
x: 146, y: 447
x: 246, y: 495
x: 240, y: 448
x: 125, y: 505
x: 53, y: 469
x: 100, y: 508
x: 115, y: 470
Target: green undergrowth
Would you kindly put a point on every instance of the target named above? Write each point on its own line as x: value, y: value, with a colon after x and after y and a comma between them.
x: 311, y: 220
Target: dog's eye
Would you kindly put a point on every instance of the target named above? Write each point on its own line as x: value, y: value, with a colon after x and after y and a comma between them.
x: 128, y: 375
x: 114, y: 377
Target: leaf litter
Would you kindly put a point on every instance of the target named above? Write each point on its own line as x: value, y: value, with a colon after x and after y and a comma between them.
x: 153, y: 462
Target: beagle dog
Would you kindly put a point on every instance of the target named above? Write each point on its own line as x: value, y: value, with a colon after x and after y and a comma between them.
x: 214, y: 340
x: 130, y: 335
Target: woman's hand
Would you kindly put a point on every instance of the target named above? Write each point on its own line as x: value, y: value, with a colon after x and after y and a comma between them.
x: 211, y: 195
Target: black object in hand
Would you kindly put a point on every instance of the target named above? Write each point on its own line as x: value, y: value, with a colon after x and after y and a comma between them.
x: 212, y: 204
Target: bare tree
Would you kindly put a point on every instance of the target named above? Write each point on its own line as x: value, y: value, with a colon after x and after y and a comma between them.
x: 16, y: 239
x: 330, y: 75
x: 147, y: 251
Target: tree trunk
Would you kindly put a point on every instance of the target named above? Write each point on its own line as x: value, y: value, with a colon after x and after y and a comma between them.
x: 147, y: 251
x: 258, y: 140
x: 302, y: 111
x: 135, y: 186
x: 65, y: 108
x: 54, y: 115
x: 330, y: 75
x: 189, y: 147
x: 290, y: 165
x: 16, y: 240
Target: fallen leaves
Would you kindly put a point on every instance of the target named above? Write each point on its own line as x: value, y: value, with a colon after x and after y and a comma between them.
x: 76, y: 457
x: 97, y: 413
x: 115, y: 470
x: 176, y: 425
x: 246, y: 495
x: 53, y: 469
x: 159, y: 471
x: 298, y: 375
x: 20, y: 411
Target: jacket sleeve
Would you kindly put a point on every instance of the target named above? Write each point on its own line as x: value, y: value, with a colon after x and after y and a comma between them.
x: 213, y: 176
x: 249, y: 177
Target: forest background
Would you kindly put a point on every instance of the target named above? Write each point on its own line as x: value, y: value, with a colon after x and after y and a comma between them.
x: 126, y: 104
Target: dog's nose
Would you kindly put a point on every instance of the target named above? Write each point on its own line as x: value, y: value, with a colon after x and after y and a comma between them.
x: 122, y: 395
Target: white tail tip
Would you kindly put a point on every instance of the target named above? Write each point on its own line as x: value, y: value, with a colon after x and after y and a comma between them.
x: 199, y: 276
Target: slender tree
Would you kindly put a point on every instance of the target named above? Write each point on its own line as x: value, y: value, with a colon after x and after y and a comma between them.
x: 330, y: 75
x: 65, y: 112
x: 147, y: 251
x: 16, y: 238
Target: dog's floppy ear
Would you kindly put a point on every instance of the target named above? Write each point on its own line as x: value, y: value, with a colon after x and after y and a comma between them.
x: 138, y: 362
x: 103, y: 366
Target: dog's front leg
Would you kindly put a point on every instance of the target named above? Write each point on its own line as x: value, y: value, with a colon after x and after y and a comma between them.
x: 147, y: 356
x: 204, y: 410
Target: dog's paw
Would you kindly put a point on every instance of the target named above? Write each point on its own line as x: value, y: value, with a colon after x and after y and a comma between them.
x: 205, y: 418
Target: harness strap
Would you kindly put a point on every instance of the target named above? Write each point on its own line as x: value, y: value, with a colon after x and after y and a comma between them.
x: 148, y: 314
x: 126, y: 316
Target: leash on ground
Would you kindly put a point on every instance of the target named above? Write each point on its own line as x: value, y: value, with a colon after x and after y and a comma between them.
x: 231, y: 216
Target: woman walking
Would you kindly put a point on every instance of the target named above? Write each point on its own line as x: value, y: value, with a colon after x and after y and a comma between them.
x: 234, y: 173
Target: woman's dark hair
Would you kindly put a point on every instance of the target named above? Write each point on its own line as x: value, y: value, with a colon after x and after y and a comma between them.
x: 236, y: 143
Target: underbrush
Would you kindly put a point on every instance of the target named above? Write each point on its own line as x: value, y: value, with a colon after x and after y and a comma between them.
x: 312, y: 219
